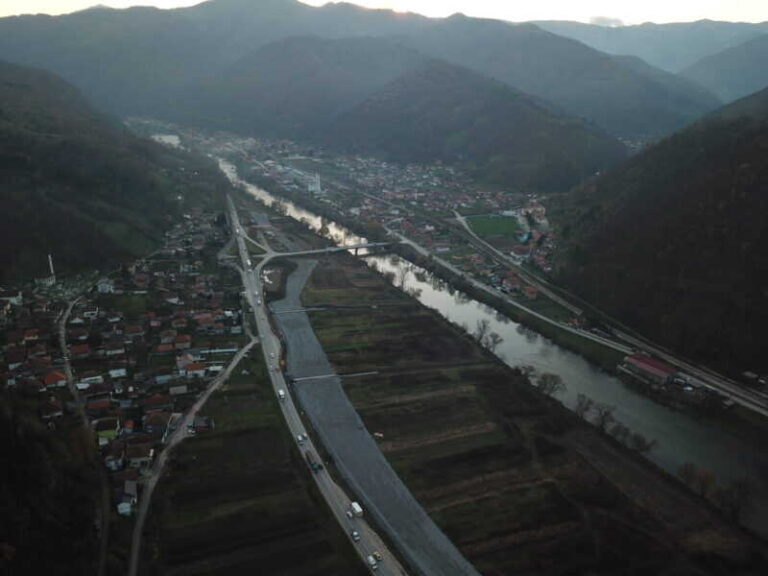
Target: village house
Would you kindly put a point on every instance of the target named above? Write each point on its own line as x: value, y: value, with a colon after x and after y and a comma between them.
x: 55, y: 379
x: 52, y: 409
x: 194, y: 370
x: 105, y: 286
x: 156, y: 422
x: 114, y: 456
x: 140, y: 455
x: 649, y: 369
x: 183, y: 342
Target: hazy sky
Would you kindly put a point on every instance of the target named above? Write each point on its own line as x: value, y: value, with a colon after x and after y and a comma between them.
x: 630, y: 12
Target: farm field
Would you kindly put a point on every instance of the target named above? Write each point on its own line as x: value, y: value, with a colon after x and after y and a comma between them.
x: 239, y: 500
x: 520, y: 484
x: 494, y: 225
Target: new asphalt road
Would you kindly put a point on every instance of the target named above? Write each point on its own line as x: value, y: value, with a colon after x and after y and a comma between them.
x: 355, y: 454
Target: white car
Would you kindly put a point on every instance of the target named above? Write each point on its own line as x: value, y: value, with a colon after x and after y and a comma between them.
x: 355, y: 535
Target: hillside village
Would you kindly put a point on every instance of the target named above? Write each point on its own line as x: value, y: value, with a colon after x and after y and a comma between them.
x: 143, y: 343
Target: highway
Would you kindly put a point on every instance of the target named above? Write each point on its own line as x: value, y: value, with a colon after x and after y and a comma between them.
x: 338, y: 501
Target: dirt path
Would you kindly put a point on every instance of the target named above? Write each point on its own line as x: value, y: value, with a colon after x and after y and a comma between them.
x: 178, y: 435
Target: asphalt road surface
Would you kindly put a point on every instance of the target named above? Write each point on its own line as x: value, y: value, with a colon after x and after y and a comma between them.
x: 355, y: 453
x: 338, y: 502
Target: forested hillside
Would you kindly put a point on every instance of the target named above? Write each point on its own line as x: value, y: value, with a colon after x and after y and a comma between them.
x: 78, y: 185
x: 735, y: 72
x: 672, y: 47
x: 675, y: 241
x: 617, y: 97
x: 192, y: 50
x: 441, y: 112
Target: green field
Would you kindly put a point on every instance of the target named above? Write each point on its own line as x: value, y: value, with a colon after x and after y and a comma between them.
x: 494, y: 225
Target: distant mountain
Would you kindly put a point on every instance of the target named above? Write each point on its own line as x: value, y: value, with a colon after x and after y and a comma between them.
x: 77, y: 185
x: 675, y: 241
x: 132, y: 61
x: 619, y: 97
x: 443, y: 112
x: 137, y: 61
x: 293, y: 88
x: 373, y: 96
x: 671, y: 47
x: 735, y: 72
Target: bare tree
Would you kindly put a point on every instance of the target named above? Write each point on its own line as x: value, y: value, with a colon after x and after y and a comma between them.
x: 550, y: 384
x: 584, y: 405
x: 735, y: 497
x: 482, y: 329
x: 704, y: 481
x: 604, y: 416
x: 402, y: 276
x: 527, y: 370
x: 687, y: 473
x: 492, y: 341
x: 620, y: 432
x: 640, y: 443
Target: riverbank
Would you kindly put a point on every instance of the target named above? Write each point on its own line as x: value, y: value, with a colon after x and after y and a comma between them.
x: 681, y: 437
x: 510, y: 475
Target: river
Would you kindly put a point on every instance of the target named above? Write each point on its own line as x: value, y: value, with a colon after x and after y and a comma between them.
x: 681, y: 436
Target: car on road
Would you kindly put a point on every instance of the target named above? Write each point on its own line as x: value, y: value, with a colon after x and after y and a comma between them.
x: 372, y: 563
x: 349, y: 514
x: 300, y: 439
x: 377, y: 556
x: 281, y: 394
x: 271, y: 354
x: 355, y: 535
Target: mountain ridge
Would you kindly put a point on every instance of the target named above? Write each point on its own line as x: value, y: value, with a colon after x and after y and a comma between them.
x: 77, y: 184
x: 673, y: 242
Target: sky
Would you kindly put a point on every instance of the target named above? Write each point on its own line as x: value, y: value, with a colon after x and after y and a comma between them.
x: 599, y: 11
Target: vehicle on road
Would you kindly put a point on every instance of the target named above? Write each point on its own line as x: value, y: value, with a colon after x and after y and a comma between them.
x: 372, y: 563
x: 349, y: 514
x: 377, y: 556
x: 314, y: 465
x: 271, y: 354
x: 281, y: 394
x: 300, y: 439
x: 355, y: 535
x: 356, y: 509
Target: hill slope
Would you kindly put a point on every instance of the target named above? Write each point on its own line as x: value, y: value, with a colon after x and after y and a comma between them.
x: 580, y: 80
x: 78, y: 186
x: 294, y: 88
x: 444, y: 112
x: 735, y: 72
x: 105, y: 53
x: 674, y: 242
x: 671, y: 47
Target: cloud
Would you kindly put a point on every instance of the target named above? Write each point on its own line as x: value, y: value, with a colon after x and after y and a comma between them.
x: 606, y: 21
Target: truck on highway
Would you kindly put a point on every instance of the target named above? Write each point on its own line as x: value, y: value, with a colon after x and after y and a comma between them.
x: 281, y: 394
x: 314, y: 465
x: 357, y: 510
